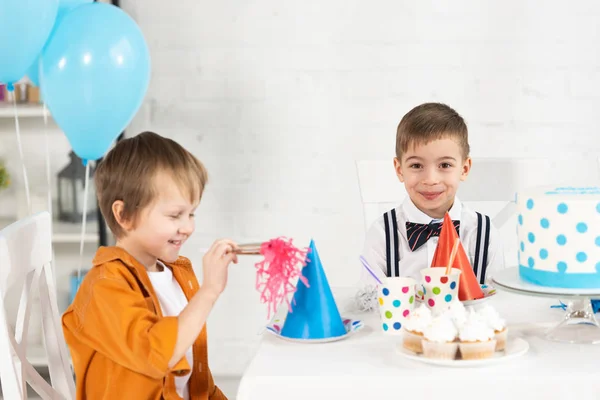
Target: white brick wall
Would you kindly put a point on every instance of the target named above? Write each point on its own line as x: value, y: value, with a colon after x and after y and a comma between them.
x: 279, y: 98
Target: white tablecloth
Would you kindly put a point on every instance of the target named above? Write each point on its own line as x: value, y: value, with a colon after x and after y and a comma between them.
x: 366, y: 365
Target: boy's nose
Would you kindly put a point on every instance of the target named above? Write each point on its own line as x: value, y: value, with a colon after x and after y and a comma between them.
x: 431, y: 177
x: 187, y: 227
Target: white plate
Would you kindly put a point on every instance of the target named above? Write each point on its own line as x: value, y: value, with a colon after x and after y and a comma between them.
x: 488, y: 292
x: 509, y: 279
x: 515, y: 347
x: 351, y: 325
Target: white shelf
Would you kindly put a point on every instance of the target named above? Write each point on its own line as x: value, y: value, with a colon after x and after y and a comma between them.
x: 64, y: 232
x: 24, y: 110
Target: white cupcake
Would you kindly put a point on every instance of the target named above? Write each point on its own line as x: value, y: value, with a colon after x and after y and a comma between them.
x: 476, y: 338
x: 414, y: 325
x: 457, y: 313
x: 439, y: 339
x: 494, y: 321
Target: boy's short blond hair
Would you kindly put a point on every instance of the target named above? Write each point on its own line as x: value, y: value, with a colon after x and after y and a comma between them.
x: 128, y: 171
x: 428, y: 122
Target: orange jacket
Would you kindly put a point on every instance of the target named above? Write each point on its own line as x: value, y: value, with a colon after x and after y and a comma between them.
x: 121, y: 344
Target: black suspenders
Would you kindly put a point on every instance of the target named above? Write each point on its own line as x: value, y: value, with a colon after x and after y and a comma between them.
x: 481, y: 247
x: 392, y: 256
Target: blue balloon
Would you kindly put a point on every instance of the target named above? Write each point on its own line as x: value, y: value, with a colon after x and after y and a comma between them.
x: 64, y: 6
x: 33, y: 73
x: 24, y: 28
x: 95, y: 72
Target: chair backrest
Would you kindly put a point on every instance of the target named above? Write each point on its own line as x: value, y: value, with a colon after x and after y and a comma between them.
x: 491, y: 187
x: 25, y: 267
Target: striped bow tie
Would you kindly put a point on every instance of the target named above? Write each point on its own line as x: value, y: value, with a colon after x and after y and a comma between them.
x: 419, y: 234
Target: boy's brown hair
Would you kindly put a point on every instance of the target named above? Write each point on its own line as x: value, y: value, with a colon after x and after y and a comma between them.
x: 128, y: 171
x: 428, y: 122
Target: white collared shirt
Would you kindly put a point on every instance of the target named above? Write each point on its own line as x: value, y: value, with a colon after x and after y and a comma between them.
x: 411, y: 262
x: 172, y: 301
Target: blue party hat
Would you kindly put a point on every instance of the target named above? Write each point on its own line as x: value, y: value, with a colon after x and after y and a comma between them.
x: 314, y: 313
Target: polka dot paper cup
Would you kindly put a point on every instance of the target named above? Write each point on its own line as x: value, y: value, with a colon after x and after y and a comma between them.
x: 396, y: 301
x: 439, y: 289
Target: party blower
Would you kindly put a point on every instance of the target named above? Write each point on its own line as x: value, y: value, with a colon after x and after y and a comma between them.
x: 279, y: 271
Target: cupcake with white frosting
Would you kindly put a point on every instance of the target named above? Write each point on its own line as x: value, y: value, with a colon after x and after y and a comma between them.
x: 491, y: 317
x: 476, y: 338
x: 457, y: 313
x: 414, y: 326
x: 439, y: 339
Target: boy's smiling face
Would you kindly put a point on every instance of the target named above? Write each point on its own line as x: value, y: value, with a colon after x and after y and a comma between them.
x: 162, y: 227
x: 431, y: 174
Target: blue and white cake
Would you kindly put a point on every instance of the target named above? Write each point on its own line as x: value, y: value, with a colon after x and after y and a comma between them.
x: 559, y: 236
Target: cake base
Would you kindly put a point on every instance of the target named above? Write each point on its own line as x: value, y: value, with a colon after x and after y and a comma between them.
x: 579, y: 325
x: 559, y: 280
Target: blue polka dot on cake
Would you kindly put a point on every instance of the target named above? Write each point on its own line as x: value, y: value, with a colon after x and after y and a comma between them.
x: 561, y: 266
x: 530, y: 204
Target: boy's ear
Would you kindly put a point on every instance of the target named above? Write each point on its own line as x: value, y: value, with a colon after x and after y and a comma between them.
x: 466, y: 168
x: 398, y: 168
x: 117, y: 209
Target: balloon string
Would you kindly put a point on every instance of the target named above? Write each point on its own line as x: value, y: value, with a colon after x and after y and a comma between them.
x: 84, y: 213
x: 48, y: 175
x: 21, y: 158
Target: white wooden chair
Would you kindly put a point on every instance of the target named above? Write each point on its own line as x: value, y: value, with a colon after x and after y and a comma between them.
x: 490, y: 188
x: 25, y: 267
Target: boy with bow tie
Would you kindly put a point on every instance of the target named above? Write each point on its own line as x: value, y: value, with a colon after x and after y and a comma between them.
x: 432, y: 158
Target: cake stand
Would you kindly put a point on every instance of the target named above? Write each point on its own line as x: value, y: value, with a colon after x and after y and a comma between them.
x: 579, y: 325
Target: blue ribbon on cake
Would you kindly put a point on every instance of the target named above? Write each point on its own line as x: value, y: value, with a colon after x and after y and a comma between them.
x: 595, y: 305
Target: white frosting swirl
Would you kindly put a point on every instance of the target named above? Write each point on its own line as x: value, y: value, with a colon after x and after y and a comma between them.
x: 491, y: 317
x: 418, y: 319
x: 441, y: 330
x: 475, y: 329
x: 457, y: 313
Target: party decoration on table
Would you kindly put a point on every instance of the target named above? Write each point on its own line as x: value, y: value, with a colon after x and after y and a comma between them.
x: 440, y: 290
x: 315, y: 315
x: 396, y: 302
x: 469, y: 288
x: 278, y: 272
x: 94, y: 74
x: 350, y: 325
x: 370, y: 270
x: 563, y: 306
x: 366, y: 298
